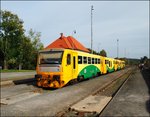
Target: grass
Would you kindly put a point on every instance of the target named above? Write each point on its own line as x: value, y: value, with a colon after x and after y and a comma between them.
x: 13, y: 70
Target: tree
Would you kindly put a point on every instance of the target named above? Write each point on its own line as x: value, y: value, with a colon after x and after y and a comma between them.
x: 143, y: 59
x: 34, y: 38
x: 103, y: 53
x: 94, y: 52
x: 16, y: 49
x: 11, y: 35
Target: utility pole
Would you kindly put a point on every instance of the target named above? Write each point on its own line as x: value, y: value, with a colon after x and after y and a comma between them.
x: 117, y: 48
x: 92, y: 29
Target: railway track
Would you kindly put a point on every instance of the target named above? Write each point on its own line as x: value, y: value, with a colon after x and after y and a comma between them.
x: 26, y: 99
x: 109, y: 90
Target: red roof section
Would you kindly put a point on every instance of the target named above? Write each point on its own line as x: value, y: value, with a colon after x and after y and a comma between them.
x: 67, y: 43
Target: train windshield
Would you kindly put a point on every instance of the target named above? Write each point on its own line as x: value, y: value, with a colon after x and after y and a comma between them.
x: 51, y: 57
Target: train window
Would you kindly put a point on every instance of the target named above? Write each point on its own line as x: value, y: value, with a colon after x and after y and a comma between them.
x: 92, y: 60
x: 68, y: 59
x: 85, y: 60
x: 98, y: 61
x: 110, y: 64
x: 74, y: 62
x: 95, y: 60
x: 79, y: 59
x: 106, y: 62
x: 114, y: 62
x: 89, y: 60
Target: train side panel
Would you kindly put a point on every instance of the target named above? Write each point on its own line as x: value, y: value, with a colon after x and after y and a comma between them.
x: 69, y: 65
x: 88, y: 65
x: 108, y: 65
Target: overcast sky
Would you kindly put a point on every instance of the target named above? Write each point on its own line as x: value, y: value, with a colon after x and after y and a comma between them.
x: 123, y: 20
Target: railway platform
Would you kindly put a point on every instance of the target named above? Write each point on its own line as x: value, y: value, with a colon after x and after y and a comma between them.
x: 16, y: 77
x: 29, y: 100
x: 133, y: 98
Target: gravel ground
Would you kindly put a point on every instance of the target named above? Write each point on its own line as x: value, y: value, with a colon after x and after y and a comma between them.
x: 50, y: 102
x: 108, y: 91
x: 133, y: 98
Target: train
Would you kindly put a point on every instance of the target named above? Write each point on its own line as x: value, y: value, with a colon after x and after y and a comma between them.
x: 57, y: 67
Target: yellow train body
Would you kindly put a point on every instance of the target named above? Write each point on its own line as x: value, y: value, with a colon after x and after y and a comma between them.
x: 57, y: 67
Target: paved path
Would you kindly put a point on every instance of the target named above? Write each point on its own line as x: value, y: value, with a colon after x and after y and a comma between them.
x: 16, y: 75
x: 133, y: 99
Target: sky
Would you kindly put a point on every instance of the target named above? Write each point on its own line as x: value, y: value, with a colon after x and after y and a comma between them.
x: 127, y: 21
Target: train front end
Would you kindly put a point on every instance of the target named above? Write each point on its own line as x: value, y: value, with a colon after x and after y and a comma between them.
x: 49, y: 68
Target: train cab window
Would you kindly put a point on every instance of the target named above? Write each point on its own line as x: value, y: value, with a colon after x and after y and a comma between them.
x: 89, y: 60
x: 95, y: 60
x: 98, y: 61
x: 79, y: 59
x: 92, y: 60
x: 68, y: 59
x: 85, y: 60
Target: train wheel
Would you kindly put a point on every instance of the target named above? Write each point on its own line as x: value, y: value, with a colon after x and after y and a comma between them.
x: 80, y: 78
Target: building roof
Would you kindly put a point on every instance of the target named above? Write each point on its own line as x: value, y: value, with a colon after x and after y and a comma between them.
x: 67, y: 43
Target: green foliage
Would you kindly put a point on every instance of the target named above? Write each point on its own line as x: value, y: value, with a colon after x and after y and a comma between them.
x: 93, y: 51
x: 143, y: 59
x: 11, y: 35
x: 103, y: 53
x: 32, y: 44
x: 16, y: 49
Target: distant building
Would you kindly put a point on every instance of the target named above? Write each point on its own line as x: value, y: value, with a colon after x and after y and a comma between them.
x: 67, y: 43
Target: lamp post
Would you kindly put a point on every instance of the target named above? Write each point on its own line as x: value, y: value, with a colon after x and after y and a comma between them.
x: 92, y: 29
x: 117, y: 48
x: 74, y: 32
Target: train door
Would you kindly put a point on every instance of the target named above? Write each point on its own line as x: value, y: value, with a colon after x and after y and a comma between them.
x: 103, y: 65
x: 68, y: 67
x: 74, y: 65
